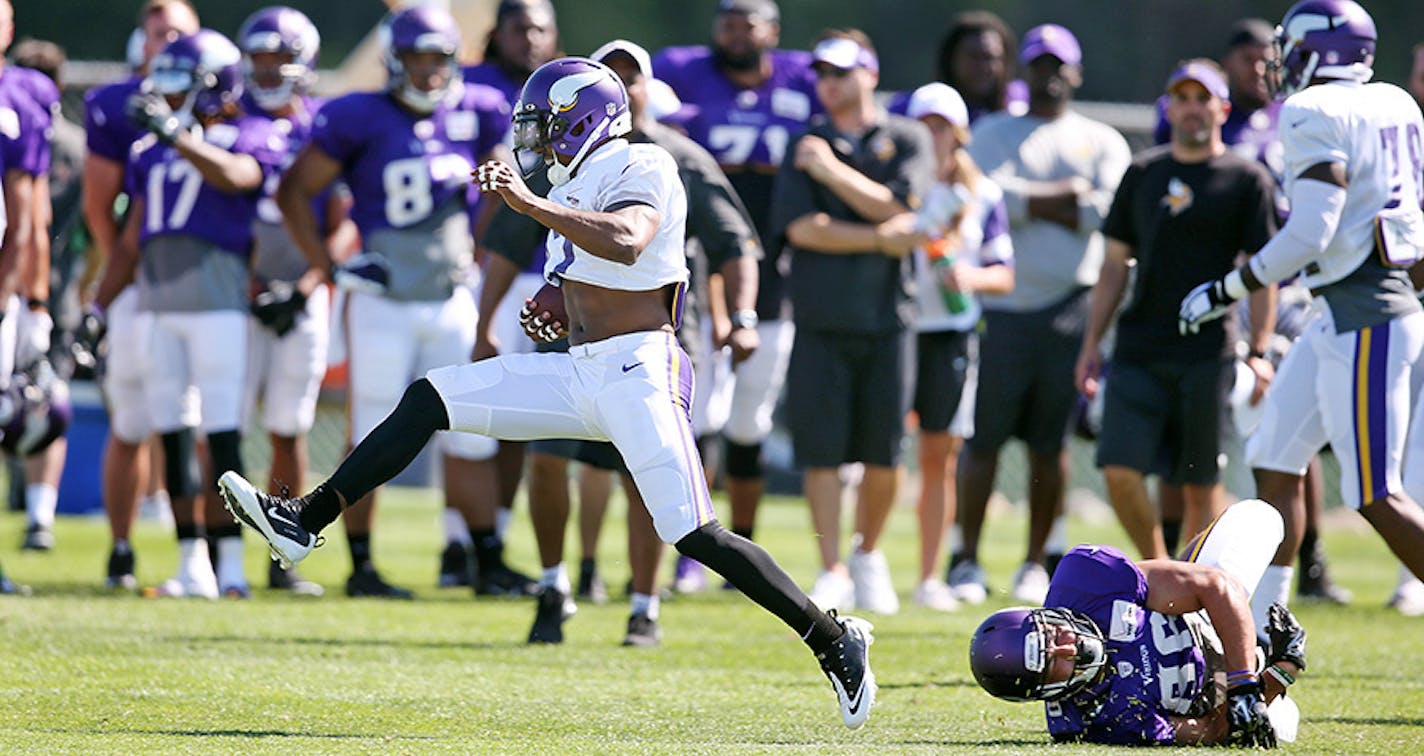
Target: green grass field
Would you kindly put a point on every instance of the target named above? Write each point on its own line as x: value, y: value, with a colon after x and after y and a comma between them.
x: 82, y: 671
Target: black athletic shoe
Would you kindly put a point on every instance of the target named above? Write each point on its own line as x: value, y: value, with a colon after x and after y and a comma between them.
x: 643, y: 631
x: 279, y: 579
x: 847, y: 664
x: 590, y: 584
x: 368, y: 583
x: 554, y: 607
x: 1315, y: 583
x: 121, y: 571
x: 502, y: 581
x: 276, y: 518
x: 457, y: 565
x: 38, y: 538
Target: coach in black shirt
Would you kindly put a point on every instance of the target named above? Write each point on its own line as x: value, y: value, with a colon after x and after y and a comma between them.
x: 841, y: 204
x: 1184, y: 212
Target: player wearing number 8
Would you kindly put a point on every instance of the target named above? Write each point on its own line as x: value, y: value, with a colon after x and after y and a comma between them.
x: 194, y: 178
x: 405, y: 153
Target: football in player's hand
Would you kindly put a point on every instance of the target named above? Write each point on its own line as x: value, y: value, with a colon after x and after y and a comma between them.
x: 543, y: 317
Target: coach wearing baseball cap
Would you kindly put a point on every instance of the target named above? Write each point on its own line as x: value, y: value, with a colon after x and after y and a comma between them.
x: 1058, y: 171
x: 1184, y: 212
x: 842, y: 205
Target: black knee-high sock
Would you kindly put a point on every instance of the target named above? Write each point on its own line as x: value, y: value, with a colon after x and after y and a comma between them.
x: 1171, y: 534
x: 380, y: 456
x: 752, y: 571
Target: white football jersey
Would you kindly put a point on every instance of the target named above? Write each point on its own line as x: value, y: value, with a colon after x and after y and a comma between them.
x: 1375, y: 131
x: 617, y: 174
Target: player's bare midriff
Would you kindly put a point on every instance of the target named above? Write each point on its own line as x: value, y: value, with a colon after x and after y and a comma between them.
x: 597, y: 313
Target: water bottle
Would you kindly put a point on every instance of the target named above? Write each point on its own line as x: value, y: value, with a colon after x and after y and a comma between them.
x: 941, y: 259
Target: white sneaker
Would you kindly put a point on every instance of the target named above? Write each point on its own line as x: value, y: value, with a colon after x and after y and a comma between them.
x: 833, y: 590
x: 874, y: 592
x: 186, y: 586
x: 968, y: 583
x: 156, y: 508
x: 935, y: 594
x: 1031, y: 584
x: 1408, y: 598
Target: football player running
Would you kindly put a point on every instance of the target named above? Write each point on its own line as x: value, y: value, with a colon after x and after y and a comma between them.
x: 616, y: 274
x: 404, y: 153
x: 1122, y: 654
x: 1352, y: 155
x: 287, y: 343
x: 194, y: 180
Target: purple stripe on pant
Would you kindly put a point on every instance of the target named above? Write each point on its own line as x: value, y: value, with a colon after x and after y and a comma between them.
x: 680, y: 385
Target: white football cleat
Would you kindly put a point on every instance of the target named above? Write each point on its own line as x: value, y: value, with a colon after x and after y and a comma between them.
x: 274, y: 518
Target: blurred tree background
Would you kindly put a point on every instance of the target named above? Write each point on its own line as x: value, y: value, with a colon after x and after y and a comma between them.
x: 1129, y: 45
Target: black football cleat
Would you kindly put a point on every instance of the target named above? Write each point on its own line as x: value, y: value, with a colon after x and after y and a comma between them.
x: 847, y: 664
x: 38, y: 538
x: 554, y: 607
x: 502, y: 581
x: 121, y: 571
x: 643, y: 632
x: 591, y: 587
x: 279, y: 579
x: 367, y: 583
x: 457, y: 565
x: 275, y: 518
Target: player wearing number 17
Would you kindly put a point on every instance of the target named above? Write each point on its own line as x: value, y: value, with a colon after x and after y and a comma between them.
x: 1352, y: 153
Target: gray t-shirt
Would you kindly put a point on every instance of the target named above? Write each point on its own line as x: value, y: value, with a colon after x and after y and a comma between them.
x: 1050, y: 260
x: 858, y: 293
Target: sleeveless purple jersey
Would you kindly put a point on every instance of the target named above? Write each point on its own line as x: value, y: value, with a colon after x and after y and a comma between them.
x: 1155, y: 668
x: 401, y: 166
x: 178, y: 201
x: 748, y: 131
x: 108, y: 131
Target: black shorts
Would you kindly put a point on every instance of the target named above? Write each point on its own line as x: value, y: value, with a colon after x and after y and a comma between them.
x: 845, y: 397
x: 1026, y: 388
x: 601, y: 455
x: 1166, y: 419
x: 941, y: 368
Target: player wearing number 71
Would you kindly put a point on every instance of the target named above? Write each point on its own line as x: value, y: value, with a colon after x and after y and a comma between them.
x: 1352, y: 152
x: 405, y: 153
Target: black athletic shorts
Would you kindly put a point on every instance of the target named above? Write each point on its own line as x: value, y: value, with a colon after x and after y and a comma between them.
x: 1165, y: 418
x: 845, y: 397
x: 1026, y: 388
x: 941, y: 368
x: 598, y: 454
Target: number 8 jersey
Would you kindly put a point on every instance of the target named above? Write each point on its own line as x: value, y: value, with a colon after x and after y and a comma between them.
x: 409, y: 177
x: 1156, y: 665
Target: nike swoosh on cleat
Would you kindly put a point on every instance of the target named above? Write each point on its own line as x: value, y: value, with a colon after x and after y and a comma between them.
x: 854, y: 706
x: 274, y: 513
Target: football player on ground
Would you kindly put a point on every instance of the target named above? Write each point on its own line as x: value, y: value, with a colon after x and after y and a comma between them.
x: 109, y: 134
x: 616, y: 274
x: 1122, y: 653
x: 404, y: 153
x: 752, y: 100
x: 1351, y: 153
x: 525, y: 36
x: 194, y: 181
x: 287, y: 342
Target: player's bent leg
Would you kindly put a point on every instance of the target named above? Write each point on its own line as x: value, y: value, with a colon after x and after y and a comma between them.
x: 1400, y: 522
x: 1241, y: 542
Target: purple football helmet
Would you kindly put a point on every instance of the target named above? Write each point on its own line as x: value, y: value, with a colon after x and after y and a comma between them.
x: 567, y: 107
x: 204, y: 67
x: 279, y: 29
x: 1322, y: 39
x: 1011, y: 651
x: 422, y: 29
x: 34, y: 411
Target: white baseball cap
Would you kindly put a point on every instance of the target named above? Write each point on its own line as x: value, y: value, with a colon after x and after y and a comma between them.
x: 939, y: 99
x: 631, y: 49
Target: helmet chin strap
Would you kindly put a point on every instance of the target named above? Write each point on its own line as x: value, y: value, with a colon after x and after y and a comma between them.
x: 559, y: 174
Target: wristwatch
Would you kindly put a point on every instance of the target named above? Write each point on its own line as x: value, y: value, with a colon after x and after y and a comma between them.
x: 744, y: 319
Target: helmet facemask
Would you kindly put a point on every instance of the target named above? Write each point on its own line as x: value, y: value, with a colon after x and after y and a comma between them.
x: 1088, y: 661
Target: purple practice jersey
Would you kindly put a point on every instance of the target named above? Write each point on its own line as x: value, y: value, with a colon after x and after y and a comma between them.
x: 748, y: 132
x: 108, y: 131
x: 401, y: 166
x: 277, y: 257
x: 491, y: 75
x: 1156, y: 668
x: 178, y: 201
x: 24, y: 126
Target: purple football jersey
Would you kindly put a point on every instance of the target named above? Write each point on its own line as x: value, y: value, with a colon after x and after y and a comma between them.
x: 108, y: 131
x: 36, y: 84
x: 748, y: 131
x: 278, y: 258
x: 1156, y: 669
x: 401, y: 166
x: 24, y: 127
x: 491, y: 75
x: 178, y: 201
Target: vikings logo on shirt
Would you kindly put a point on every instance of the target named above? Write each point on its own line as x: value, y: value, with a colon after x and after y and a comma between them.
x: 1179, y: 196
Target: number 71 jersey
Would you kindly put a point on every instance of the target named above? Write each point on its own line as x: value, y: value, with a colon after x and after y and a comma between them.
x: 401, y: 166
